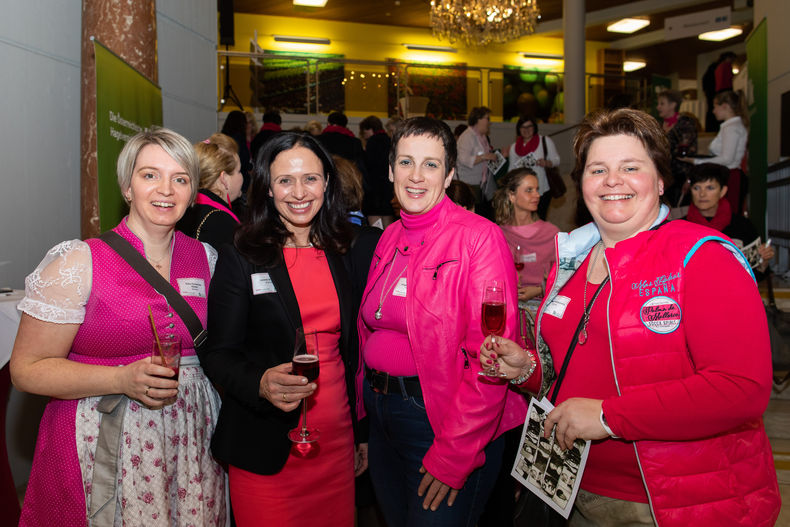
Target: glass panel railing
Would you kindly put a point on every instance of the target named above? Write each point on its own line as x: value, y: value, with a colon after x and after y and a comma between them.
x: 309, y: 83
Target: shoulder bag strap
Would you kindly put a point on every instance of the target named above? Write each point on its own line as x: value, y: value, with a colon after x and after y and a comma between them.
x: 126, y: 251
x: 574, y: 340
x: 197, y: 232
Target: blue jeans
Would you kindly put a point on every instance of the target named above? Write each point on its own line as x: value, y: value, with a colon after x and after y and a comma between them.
x: 400, y: 436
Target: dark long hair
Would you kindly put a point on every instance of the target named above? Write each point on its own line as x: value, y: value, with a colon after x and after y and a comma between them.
x: 262, y: 236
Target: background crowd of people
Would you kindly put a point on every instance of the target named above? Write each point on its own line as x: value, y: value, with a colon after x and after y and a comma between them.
x: 384, y: 245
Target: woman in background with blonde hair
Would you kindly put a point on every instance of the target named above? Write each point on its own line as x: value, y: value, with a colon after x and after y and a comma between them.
x: 211, y: 219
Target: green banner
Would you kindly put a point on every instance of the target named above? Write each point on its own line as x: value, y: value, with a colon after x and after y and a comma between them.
x: 126, y: 103
x: 757, y: 53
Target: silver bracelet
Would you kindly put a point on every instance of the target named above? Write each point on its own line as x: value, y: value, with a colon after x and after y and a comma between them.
x: 524, y: 376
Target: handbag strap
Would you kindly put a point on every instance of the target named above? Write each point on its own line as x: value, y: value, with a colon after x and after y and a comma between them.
x: 137, y: 262
x: 545, y: 152
x: 574, y: 341
x: 197, y: 232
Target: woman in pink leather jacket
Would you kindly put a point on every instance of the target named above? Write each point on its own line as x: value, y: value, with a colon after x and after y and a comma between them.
x: 435, y: 423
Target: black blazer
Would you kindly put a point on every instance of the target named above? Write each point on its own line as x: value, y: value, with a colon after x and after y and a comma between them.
x: 249, y: 334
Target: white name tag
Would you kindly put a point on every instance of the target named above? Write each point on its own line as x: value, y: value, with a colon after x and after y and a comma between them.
x: 531, y: 257
x: 557, y: 306
x: 262, y: 284
x: 400, y: 288
x: 192, y: 287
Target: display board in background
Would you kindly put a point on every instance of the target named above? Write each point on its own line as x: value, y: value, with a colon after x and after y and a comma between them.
x: 127, y: 102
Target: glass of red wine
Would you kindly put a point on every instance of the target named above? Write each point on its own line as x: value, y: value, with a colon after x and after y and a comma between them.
x: 305, y: 363
x: 493, y: 317
x: 519, y: 257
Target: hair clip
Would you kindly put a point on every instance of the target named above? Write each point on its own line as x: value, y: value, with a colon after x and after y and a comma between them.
x: 207, y: 141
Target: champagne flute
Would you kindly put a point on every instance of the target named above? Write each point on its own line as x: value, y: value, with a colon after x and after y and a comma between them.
x: 305, y: 363
x: 493, y: 317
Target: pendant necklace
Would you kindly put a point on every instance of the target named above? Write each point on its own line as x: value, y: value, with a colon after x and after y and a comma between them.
x: 384, y: 288
x: 157, y: 262
x: 583, y: 333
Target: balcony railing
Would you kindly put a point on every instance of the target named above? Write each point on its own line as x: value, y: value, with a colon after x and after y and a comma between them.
x: 309, y: 84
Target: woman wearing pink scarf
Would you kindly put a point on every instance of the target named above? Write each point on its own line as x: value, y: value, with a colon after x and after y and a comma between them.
x: 529, y: 151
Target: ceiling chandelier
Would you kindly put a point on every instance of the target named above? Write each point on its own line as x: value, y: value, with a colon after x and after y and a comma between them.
x: 480, y: 22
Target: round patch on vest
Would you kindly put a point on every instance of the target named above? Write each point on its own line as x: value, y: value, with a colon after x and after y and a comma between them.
x: 660, y: 314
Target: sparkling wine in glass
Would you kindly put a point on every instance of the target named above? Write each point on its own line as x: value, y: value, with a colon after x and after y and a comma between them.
x: 493, y: 316
x: 305, y: 363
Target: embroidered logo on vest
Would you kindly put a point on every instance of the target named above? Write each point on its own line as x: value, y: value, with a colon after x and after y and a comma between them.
x: 660, y: 314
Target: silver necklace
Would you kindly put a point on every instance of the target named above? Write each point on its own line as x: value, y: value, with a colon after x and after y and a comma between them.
x: 384, y: 289
x: 583, y: 334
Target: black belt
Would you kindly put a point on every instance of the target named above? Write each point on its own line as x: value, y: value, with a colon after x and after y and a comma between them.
x: 383, y: 382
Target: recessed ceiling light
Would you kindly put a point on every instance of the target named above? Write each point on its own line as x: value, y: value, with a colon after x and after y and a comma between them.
x: 721, y: 34
x: 628, y: 25
x: 633, y: 65
x: 310, y: 3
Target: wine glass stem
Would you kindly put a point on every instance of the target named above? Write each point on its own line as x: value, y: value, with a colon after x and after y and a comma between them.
x: 304, y: 418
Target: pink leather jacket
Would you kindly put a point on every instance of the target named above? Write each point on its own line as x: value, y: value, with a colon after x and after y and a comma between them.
x: 445, y: 278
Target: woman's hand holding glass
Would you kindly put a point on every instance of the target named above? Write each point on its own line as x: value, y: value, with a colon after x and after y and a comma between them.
x: 283, y: 390
x: 151, y: 384
x: 509, y: 358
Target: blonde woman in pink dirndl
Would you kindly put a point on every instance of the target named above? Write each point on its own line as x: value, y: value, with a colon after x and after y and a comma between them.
x: 123, y: 441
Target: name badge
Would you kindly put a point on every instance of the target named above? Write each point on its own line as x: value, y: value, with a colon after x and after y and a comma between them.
x: 557, y: 306
x: 192, y: 287
x: 262, y: 284
x: 400, y: 288
x: 531, y: 258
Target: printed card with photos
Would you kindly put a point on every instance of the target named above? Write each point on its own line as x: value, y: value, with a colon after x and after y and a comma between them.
x: 543, y: 468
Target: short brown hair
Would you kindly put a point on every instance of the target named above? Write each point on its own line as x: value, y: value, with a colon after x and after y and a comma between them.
x: 428, y: 127
x: 672, y: 96
x: 622, y: 121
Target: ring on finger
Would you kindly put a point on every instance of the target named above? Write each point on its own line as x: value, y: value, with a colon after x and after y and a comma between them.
x: 285, y: 398
x: 146, y: 390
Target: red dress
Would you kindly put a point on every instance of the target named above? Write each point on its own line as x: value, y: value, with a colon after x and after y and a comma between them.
x: 305, y: 491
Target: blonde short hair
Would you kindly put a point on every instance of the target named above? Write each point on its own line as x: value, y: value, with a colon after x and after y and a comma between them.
x: 176, y: 146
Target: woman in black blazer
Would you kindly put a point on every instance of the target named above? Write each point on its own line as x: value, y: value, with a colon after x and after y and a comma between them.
x: 295, y: 262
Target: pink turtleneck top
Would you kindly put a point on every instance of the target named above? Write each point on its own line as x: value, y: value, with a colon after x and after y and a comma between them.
x: 388, y: 347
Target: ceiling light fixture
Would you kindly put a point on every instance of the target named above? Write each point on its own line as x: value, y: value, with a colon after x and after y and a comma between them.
x: 310, y: 3
x: 302, y: 40
x: 421, y: 47
x: 628, y: 25
x: 633, y: 65
x: 721, y: 34
x: 478, y: 23
x: 542, y: 61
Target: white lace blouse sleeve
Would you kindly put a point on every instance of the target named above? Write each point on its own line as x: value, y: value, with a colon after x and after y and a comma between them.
x: 211, y: 256
x: 58, y: 289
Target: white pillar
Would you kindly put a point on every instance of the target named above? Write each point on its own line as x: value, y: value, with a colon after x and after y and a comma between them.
x: 573, y: 23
